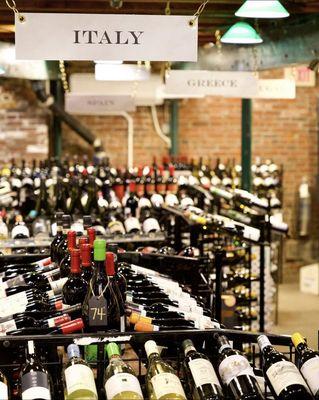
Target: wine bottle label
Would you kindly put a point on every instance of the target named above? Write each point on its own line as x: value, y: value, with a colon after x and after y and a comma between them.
x: 35, y: 385
x: 4, y: 394
x: 13, y: 304
x: 310, y: 371
x: 283, y: 374
x: 116, y: 227
x: 203, y: 372
x: 17, y: 281
x: 172, y: 188
x: 79, y: 377
x: 120, y: 383
x: 57, y: 286
x: 6, y: 327
x: 167, y: 384
x: 234, y: 366
x: 97, y: 311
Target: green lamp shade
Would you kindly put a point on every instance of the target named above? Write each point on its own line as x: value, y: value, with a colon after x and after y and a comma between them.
x: 241, y: 33
x: 262, y: 9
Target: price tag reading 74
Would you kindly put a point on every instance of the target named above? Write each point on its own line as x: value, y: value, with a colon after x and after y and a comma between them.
x: 97, y: 311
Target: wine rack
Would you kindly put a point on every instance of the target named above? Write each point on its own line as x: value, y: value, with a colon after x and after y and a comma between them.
x: 12, y: 351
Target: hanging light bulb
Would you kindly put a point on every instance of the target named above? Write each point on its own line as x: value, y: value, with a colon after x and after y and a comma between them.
x: 262, y: 9
x: 241, y: 33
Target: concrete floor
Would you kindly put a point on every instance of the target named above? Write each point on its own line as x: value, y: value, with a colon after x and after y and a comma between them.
x: 298, y: 312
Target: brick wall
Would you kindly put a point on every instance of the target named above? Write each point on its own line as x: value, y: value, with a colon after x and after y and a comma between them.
x: 23, y: 124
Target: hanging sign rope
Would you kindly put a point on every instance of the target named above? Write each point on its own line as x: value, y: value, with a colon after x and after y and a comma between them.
x: 106, y: 37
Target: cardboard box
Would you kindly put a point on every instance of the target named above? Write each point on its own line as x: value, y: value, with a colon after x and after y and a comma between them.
x: 309, y: 279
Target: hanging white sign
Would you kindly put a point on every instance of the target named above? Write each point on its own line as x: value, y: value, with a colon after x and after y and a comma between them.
x: 212, y: 83
x: 96, y: 104
x: 105, y: 37
x: 276, y: 89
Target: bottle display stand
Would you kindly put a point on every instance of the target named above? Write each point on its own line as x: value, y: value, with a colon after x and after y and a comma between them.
x: 12, y: 351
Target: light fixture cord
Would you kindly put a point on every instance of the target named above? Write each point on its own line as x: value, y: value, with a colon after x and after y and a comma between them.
x: 168, y: 8
x: 13, y: 6
x: 198, y: 13
x: 63, y: 75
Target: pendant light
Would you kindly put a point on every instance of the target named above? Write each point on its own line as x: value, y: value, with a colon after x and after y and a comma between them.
x: 262, y: 9
x: 241, y: 33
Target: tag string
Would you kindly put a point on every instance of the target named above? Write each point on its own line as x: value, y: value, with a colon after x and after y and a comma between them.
x: 103, y: 291
x: 12, y: 5
x: 198, y: 13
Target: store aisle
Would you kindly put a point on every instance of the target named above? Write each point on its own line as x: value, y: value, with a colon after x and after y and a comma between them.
x: 298, y: 312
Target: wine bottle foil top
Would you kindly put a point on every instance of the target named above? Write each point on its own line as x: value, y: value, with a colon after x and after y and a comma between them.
x: 263, y: 342
x: 99, y: 249
x: 188, y: 346
x: 73, y: 350
x: 112, y: 350
x: 66, y: 221
x: 297, y: 339
x: 223, y: 343
x: 151, y: 347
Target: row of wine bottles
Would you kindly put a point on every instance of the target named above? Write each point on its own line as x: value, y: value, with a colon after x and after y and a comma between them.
x: 81, y: 189
x: 226, y: 375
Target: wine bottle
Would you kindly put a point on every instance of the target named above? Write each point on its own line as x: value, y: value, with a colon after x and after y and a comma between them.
x: 4, y: 387
x: 101, y: 307
x: 65, y: 263
x: 75, y: 288
x: 171, y: 184
x: 204, y: 383
x: 20, y: 230
x: 308, y: 363
x: 78, y: 377
x: 63, y: 245
x: 139, y: 183
x: 35, y: 381
x: 161, y: 379
x: 58, y: 237
x: 120, y: 381
x: 142, y: 326
x: 87, y: 266
x: 236, y: 373
x: 282, y: 376
x: 66, y: 328
x: 25, y: 321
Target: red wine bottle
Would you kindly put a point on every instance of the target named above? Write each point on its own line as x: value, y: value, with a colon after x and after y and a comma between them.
x: 59, y: 236
x: 35, y: 380
x: 87, y: 266
x: 236, y: 373
x: 75, y: 288
x: 62, y: 248
x: 202, y: 378
x: 65, y: 263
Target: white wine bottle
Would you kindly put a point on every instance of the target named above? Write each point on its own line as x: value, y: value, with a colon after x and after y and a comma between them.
x: 161, y: 379
x: 4, y: 387
x: 78, y: 377
x: 120, y: 381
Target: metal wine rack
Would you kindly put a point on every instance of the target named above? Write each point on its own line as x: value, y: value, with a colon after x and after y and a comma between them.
x: 12, y: 350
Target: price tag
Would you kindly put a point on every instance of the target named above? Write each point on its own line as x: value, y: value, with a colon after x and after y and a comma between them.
x: 97, y: 311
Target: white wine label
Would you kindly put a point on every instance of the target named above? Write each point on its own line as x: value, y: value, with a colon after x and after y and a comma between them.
x: 79, y: 377
x: 122, y: 382
x: 35, y: 385
x: 284, y: 374
x: 203, y: 372
x: 57, y: 286
x: 4, y: 395
x: 132, y: 224
x: 234, y: 366
x: 13, y: 304
x: 6, y: 327
x: 165, y: 384
x: 310, y: 371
